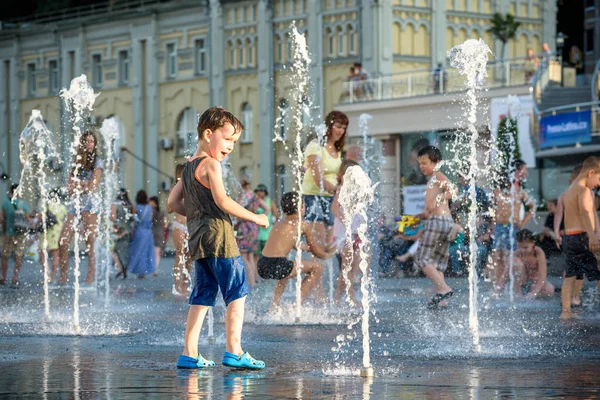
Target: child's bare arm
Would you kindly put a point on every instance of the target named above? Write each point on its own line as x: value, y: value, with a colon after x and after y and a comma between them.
x: 335, y: 206
x: 530, y: 203
x: 586, y: 207
x: 175, y: 201
x: 542, y: 274
x: 558, y: 217
x: 215, y: 180
x: 314, y: 247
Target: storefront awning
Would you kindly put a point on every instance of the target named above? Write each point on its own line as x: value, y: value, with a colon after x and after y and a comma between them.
x: 567, y: 151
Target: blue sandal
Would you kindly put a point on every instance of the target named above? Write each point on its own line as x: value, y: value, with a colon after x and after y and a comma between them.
x: 194, y: 363
x: 245, y: 361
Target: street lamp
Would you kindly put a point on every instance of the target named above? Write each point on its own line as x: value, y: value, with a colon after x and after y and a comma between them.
x: 560, y: 43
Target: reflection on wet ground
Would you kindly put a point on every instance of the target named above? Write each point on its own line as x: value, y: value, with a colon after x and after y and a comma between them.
x: 128, y: 348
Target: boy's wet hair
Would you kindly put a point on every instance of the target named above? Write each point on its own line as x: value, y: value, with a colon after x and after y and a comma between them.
x: 433, y: 153
x: 289, y: 203
x: 519, y: 163
x: 591, y: 163
x: 215, y: 118
x: 575, y: 173
x: 525, y: 235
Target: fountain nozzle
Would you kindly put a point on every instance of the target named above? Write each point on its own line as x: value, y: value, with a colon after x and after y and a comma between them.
x: 367, y: 372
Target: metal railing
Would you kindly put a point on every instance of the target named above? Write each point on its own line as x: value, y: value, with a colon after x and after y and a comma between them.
x: 504, y: 73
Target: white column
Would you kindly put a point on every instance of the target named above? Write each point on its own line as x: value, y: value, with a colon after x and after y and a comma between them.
x: 376, y: 43
x: 438, y: 32
x: 4, y: 122
x: 137, y: 85
x: 549, y: 16
x: 315, y: 45
x: 266, y: 94
x: 15, y: 111
x: 152, y: 110
x: 217, y: 55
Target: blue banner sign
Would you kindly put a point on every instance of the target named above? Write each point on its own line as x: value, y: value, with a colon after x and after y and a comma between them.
x: 566, y: 129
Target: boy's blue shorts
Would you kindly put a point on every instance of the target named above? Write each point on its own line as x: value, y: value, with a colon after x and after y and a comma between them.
x: 228, y: 274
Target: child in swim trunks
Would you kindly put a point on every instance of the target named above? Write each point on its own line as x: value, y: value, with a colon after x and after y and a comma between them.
x: 277, y: 260
x: 438, y: 227
x: 200, y: 196
x: 581, y: 242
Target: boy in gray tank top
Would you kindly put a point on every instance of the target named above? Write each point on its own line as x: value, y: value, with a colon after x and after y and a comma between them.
x: 217, y: 261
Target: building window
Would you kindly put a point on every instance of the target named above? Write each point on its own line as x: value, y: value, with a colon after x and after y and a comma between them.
x: 171, y: 60
x: 123, y: 67
x: 341, y: 44
x: 247, y: 121
x: 351, y: 44
x: 31, y: 83
x: 590, y: 3
x: 97, y: 70
x: 240, y: 49
x: 186, y: 133
x: 290, y: 52
x: 305, y: 119
x: 200, y: 56
x: 279, y: 48
x: 231, y: 55
x: 330, y: 41
x: 284, y: 109
x: 246, y: 173
x: 53, y: 76
x: 250, y: 47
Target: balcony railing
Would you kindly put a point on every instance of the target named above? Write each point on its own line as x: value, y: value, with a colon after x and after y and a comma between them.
x: 510, y: 72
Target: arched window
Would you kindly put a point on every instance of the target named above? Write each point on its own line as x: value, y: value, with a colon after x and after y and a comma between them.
x: 231, y: 46
x: 289, y: 54
x: 329, y: 36
x: 247, y: 121
x: 341, y: 43
x: 351, y: 37
x: 279, y: 49
x: 250, y: 49
x: 240, y: 48
x: 282, y: 120
x: 187, y: 135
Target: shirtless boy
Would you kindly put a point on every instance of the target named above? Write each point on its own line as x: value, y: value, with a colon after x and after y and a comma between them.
x: 580, y: 243
x: 508, y: 205
x: 432, y: 254
x: 278, y: 256
x: 533, y: 268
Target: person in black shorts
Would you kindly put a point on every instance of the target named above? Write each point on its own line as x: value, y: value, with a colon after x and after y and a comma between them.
x: 280, y: 258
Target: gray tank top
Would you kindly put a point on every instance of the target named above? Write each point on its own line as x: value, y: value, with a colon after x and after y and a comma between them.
x: 210, y: 228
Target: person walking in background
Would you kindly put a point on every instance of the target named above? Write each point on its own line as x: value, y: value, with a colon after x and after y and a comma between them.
x: 159, y: 224
x: 141, y: 252
x: 182, y: 267
x: 51, y: 236
x: 122, y: 212
x: 14, y: 220
x: 263, y: 233
x: 247, y: 231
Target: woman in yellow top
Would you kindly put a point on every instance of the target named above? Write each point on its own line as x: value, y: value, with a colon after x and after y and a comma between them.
x: 322, y: 162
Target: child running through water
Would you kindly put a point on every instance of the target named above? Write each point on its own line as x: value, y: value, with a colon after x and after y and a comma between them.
x: 212, y: 244
x: 438, y: 228
x: 581, y: 242
x: 278, y: 257
x: 349, y: 252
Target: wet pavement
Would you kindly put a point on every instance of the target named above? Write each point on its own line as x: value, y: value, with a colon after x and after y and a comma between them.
x: 127, y: 346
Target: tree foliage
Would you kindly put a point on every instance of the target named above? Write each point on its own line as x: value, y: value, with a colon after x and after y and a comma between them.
x: 508, y: 148
x: 504, y: 28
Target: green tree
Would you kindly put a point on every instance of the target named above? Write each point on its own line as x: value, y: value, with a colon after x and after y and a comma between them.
x: 504, y: 28
x: 508, y: 147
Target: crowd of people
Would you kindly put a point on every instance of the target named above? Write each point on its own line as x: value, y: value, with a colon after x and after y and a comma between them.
x: 232, y: 244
